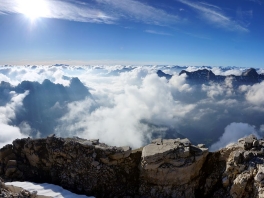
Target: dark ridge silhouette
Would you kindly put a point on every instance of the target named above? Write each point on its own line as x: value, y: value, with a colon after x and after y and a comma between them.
x: 162, y: 74
x: 205, y: 76
x: 248, y: 77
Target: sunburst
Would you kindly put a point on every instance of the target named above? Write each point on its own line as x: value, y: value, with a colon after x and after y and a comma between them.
x: 33, y: 9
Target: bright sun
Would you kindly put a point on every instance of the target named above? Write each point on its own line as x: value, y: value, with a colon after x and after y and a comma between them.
x: 33, y: 9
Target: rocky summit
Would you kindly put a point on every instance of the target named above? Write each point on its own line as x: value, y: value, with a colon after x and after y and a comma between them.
x: 163, y: 168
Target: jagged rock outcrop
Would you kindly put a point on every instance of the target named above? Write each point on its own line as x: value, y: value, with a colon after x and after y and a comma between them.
x: 234, y: 171
x: 164, y: 168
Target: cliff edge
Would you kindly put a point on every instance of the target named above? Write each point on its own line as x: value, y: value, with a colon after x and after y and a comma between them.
x: 163, y: 168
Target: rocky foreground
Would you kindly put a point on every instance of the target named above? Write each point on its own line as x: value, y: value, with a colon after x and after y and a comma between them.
x: 164, y: 168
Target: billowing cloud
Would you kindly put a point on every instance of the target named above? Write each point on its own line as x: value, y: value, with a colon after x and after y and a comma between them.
x: 232, y: 133
x: 255, y: 93
x: 179, y: 83
x: 4, y: 78
x: 128, y: 120
x: 8, y: 112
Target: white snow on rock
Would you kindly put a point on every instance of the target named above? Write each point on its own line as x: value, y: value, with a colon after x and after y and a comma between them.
x: 47, y: 190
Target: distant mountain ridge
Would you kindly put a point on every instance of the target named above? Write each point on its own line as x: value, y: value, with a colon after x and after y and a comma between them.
x: 45, y: 103
x: 250, y: 76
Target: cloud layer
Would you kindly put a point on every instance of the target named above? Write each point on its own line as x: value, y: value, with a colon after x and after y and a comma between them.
x: 128, y: 105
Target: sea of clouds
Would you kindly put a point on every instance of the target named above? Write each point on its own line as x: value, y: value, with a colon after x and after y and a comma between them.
x: 127, y: 105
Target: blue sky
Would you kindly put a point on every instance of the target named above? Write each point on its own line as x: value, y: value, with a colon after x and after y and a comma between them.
x: 175, y: 32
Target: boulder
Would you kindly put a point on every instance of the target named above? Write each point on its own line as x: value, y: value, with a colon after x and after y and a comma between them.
x: 168, y: 163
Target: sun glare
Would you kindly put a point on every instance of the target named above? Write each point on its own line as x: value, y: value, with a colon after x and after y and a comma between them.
x: 33, y: 9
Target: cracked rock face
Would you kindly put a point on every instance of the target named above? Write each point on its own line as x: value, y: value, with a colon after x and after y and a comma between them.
x: 175, y: 156
x: 83, y: 166
x: 170, y: 164
x: 235, y: 171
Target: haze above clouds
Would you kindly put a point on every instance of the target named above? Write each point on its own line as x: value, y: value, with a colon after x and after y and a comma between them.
x: 127, y: 105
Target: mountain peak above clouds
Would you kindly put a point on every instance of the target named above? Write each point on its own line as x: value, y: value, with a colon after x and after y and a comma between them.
x: 251, y: 73
x: 199, y: 75
x: 162, y: 74
x: 250, y: 76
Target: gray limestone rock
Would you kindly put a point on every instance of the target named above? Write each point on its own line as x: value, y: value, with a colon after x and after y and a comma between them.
x: 171, y: 163
x: 163, y: 168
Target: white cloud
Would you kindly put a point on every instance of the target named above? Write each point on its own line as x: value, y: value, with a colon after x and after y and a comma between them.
x: 15, y: 75
x: 226, y: 72
x: 99, y: 11
x: 125, y: 122
x: 213, y: 90
x: 179, y: 83
x: 61, y: 10
x: 215, y: 16
x: 81, y: 12
x: 7, y: 113
x: 255, y: 93
x: 232, y: 133
x: 4, y: 78
x: 139, y: 11
x: 158, y: 32
x: 25, y: 128
x: 8, y: 134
